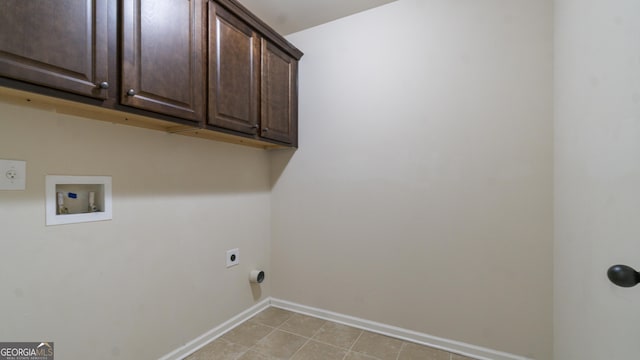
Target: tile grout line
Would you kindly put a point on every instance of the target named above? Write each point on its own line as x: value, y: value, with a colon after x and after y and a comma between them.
x: 354, y: 344
x: 404, y: 343
x: 297, y: 351
x: 329, y: 344
x: 281, y: 329
x: 248, y: 347
x: 300, y: 348
x: 312, y: 338
x: 232, y: 343
x: 256, y: 343
x: 358, y: 338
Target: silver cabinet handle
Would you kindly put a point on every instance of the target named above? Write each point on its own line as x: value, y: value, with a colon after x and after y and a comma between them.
x: 131, y: 92
x: 103, y: 85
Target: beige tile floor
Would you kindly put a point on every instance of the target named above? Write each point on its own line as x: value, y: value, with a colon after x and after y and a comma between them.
x: 276, y: 334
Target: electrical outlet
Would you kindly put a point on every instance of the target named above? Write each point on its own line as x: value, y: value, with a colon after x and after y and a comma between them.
x: 13, y: 174
x: 233, y: 257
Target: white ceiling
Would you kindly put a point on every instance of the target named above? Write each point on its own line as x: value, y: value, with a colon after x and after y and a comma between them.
x: 289, y: 16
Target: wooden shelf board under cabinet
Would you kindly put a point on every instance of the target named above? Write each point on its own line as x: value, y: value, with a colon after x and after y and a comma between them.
x: 43, y: 102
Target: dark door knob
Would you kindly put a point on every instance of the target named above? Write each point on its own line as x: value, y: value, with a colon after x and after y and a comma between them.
x: 623, y: 275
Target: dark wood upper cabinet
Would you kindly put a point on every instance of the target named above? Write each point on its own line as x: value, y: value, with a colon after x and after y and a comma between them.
x: 163, y: 57
x: 234, y: 72
x: 206, y: 68
x: 60, y: 44
x: 279, y: 95
x: 252, y: 76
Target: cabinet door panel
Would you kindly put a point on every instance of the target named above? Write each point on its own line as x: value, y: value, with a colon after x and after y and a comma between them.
x: 279, y: 95
x: 162, y: 56
x: 234, y: 63
x: 61, y: 44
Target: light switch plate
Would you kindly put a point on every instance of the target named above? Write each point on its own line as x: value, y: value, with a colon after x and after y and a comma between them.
x: 13, y: 174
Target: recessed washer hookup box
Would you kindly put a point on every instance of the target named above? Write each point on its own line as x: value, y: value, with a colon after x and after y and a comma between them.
x: 77, y: 199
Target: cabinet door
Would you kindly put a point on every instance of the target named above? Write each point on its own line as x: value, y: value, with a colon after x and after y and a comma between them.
x: 61, y: 44
x: 162, y: 57
x: 234, y: 65
x: 279, y: 118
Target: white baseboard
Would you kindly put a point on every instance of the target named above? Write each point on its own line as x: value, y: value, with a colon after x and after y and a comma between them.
x: 457, y: 347
x: 194, y: 345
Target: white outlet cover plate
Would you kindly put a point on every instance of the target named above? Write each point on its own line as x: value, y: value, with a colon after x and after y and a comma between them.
x: 230, y: 253
x: 13, y: 174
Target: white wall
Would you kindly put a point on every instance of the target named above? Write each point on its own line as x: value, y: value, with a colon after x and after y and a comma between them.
x: 154, y: 277
x: 421, y: 195
x: 597, y: 175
